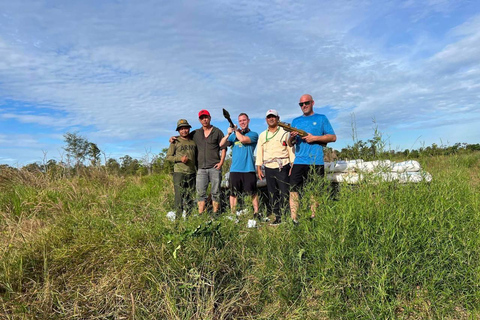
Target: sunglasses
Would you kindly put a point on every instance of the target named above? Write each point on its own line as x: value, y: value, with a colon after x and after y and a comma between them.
x: 307, y: 103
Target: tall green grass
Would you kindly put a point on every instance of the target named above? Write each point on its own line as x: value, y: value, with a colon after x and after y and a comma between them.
x: 101, y: 247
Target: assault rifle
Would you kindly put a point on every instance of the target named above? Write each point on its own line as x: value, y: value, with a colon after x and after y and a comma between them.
x: 289, y: 128
x: 302, y: 133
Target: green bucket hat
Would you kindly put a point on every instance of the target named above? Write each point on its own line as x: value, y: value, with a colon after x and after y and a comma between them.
x: 182, y: 123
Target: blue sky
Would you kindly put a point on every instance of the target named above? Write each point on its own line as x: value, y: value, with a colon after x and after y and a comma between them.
x: 121, y: 73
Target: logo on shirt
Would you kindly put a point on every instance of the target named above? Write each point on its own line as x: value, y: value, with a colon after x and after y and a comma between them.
x: 315, y: 123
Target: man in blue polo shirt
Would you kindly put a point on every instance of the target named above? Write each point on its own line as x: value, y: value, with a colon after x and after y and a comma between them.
x: 242, y: 171
x: 308, y: 150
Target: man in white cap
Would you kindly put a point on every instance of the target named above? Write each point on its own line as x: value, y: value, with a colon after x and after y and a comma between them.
x: 276, y: 156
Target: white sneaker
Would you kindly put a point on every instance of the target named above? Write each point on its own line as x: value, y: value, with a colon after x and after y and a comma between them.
x: 171, y: 215
x: 251, y: 223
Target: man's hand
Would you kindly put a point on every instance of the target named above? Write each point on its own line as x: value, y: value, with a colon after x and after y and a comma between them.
x: 230, y: 129
x: 292, y: 139
x: 172, y: 139
x: 218, y: 166
x: 184, y: 159
x: 260, y: 173
x: 310, y: 138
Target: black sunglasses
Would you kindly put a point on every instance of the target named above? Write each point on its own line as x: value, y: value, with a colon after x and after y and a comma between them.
x: 307, y: 103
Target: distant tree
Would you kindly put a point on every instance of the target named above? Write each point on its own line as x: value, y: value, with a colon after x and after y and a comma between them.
x: 414, y: 154
x: 129, y: 165
x: 161, y: 164
x: 112, y: 166
x: 77, y: 147
x: 34, y: 167
x: 142, y: 170
x: 93, y: 153
x: 147, y: 162
x: 53, y: 169
x: 473, y: 147
x: 50, y: 163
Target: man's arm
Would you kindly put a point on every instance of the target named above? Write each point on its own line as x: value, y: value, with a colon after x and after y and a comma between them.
x: 174, y: 138
x: 171, y: 153
x: 260, y: 173
x: 291, y: 153
x: 219, y: 165
x: 320, y: 139
x: 224, y: 141
x: 292, y: 139
x: 259, y: 156
x: 242, y: 138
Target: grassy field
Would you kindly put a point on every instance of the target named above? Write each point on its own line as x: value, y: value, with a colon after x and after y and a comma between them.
x: 100, y: 247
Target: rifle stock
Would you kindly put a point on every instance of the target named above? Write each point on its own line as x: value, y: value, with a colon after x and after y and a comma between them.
x: 302, y: 133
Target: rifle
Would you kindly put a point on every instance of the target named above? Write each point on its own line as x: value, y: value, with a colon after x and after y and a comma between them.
x: 289, y: 128
x: 227, y: 116
x: 302, y: 133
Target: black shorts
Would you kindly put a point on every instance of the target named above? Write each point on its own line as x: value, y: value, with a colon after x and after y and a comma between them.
x: 303, y: 173
x: 243, y: 182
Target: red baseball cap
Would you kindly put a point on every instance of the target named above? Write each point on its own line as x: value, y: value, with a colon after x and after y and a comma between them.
x: 203, y: 113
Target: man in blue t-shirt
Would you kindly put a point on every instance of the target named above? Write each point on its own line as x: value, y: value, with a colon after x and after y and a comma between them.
x: 308, y: 151
x: 242, y: 171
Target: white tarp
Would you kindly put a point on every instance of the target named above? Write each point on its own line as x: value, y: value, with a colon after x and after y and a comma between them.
x: 355, y: 171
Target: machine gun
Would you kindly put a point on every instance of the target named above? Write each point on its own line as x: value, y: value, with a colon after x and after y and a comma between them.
x: 302, y: 133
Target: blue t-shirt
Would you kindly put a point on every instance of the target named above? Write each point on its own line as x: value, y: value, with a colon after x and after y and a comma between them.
x: 242, y: 154
x: 317, y: 125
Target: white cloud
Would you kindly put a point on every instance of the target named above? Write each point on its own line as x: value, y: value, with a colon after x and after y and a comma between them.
x: 128, y: 71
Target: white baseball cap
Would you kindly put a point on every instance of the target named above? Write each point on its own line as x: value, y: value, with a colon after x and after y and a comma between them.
x: 272, y: 111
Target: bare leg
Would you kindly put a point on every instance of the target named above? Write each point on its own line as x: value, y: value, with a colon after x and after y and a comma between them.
x: 313, y: 206
x: 201, y: 206
x: 255, y: 203
x: 233, y: 203
x: 294, y: 205
x: 216, y: 206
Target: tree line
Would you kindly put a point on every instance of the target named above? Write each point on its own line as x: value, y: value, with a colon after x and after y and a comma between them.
x: 81, y: 154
